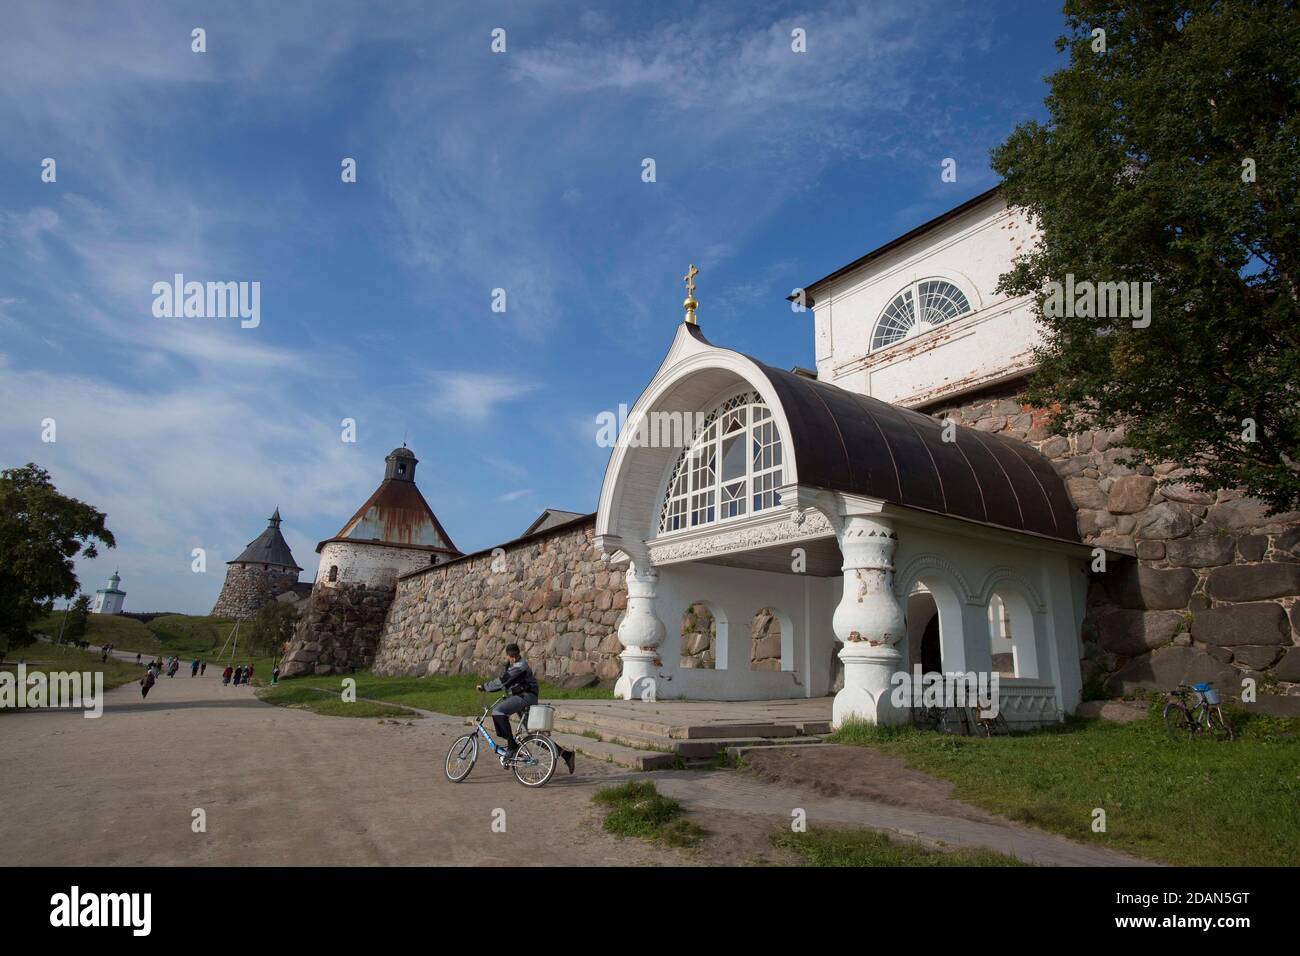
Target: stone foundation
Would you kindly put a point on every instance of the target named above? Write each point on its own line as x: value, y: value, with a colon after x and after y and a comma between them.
x: 1210, y: 590
x: 338, y: 630
x: 250, y: 587
x: 553, y: 594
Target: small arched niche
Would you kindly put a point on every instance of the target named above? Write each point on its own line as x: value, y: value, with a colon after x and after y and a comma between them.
x: 699, y: 645
x: 1011, y: 635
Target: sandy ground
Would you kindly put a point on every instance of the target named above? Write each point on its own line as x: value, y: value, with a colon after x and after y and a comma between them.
x: 283, y: 786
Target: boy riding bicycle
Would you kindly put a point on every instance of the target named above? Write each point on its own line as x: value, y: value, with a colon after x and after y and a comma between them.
x: 520, y: 685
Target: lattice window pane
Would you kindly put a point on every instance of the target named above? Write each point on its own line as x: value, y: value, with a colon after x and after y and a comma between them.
x: 941, y: 301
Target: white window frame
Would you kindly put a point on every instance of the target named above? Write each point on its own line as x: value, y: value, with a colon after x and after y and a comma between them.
x: 920, y: 324
x: 693, y: 494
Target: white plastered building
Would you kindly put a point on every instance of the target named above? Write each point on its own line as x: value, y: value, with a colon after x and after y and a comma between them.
x: 872, y: 532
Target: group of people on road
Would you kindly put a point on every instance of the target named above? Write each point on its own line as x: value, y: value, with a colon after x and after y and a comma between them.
x: 242, y: 674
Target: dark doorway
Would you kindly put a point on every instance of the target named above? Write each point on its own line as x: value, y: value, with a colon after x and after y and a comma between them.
x: 931, y: 659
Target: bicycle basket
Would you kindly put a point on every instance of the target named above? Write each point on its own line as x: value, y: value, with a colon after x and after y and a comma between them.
x: 1211, y: 695
x: 541, y: 717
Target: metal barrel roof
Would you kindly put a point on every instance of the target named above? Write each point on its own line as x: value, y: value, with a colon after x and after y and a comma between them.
x: 856, y: 444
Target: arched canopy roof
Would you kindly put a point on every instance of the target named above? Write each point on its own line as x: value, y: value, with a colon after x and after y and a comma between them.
x: 853, y: 443
x: 845, y: 442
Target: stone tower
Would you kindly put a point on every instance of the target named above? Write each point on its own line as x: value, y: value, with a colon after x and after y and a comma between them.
x: 265, y: 570
x: 393, y: 533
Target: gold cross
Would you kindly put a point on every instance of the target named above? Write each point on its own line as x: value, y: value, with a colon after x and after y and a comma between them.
x: 691, y: 273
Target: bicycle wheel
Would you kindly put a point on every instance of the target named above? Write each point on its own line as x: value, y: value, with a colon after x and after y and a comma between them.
x: 1178, y: 722
x: 535, y: 763
x: 1218, y: 725
x: 951, y: 721
x: 461, y: 757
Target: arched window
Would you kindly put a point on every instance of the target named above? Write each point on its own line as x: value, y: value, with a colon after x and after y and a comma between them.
x: 334, y: 572
x: 919, y: 307
x: 732, y: 468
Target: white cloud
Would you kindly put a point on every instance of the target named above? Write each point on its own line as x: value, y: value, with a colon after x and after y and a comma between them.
x: 473, y: 396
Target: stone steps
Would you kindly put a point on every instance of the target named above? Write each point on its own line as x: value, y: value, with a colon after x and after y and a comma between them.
x: 650, y: 744
x: 616, y: 754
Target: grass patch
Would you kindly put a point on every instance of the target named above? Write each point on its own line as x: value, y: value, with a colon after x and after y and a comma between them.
x: 50, y: 657
x: 1192, y: 803
x: 637, y: 809
x: 820, y: 847
x: 300, y: 697
x: 185, y: 635
x: 453, y: 695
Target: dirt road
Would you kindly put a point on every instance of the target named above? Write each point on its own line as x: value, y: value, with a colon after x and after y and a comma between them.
x: 278, y: 786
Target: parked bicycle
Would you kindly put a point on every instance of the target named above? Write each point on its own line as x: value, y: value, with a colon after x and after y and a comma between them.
x: 533, y: 763
x: 965, y: 721
x: 1193, y: 710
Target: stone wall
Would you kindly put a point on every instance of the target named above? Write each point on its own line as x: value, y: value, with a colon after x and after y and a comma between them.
x: 338, y: 630
x: 250, y: 587
x: 699, y: 640
x: 551, y: 593
x: 1209, y: 591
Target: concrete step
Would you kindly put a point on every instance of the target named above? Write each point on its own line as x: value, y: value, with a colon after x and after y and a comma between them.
x: 739, y: 750
x: 638, y: 740
x: 629, y: 726
x: 688, y: 749
x: 616, y: 753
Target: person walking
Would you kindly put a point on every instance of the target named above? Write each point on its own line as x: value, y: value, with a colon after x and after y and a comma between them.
x: 248, y: 674
x: 226, y: 674
x: 275, y: 674
x: 147, y: 682
x: 194, y: 668
x: 203, y: 668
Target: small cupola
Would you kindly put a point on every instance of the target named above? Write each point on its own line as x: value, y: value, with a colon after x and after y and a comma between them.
x: 400, y: 464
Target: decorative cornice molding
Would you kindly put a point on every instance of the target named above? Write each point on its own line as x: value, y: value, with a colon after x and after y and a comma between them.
x: 908, y: 575
x: 797, y: 526
x: 1003, y: 574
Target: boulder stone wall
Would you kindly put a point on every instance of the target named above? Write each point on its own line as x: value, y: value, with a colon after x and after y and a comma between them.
x: 337, y: 631
x: 1208, y: 590
x: 552, y: 594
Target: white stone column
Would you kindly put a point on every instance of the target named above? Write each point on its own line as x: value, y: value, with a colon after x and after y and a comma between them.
x: 869, y: 622
x: 640, y: 632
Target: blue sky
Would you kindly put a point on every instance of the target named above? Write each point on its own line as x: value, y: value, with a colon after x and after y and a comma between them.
x: 475, y: 170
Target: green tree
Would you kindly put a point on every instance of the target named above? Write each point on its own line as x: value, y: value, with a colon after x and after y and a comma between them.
x: 41, y: 531
x: 78, y: 621
x: 1171, y: 156
x: 271, y: 628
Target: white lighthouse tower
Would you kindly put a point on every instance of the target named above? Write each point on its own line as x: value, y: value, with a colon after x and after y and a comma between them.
x: 109, y: 600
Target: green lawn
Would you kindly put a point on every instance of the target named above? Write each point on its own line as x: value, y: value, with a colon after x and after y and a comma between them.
x: 298, y: 695
x: 445, y: 695
x: 50, y: 657
x: 1190, y: 803
x: 186, y: 636
x: 868, y: 848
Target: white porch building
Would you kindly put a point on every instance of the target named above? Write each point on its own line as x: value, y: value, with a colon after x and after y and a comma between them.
x: 854, y: 523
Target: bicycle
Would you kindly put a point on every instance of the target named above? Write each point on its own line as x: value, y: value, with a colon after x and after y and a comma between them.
x: 947, y: 720
x: 533, y: 763
x: 1183, y: 722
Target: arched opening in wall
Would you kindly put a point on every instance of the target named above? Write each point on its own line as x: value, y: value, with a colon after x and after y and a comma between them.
x: 699, y: 647
x: 334, y: 572
x: 765, y: 639
x: 1011, y: 635
x: 923, y: 646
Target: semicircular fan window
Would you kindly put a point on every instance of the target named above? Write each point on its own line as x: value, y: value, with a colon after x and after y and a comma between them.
x: 919, y: 307
x: 731, y: 468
